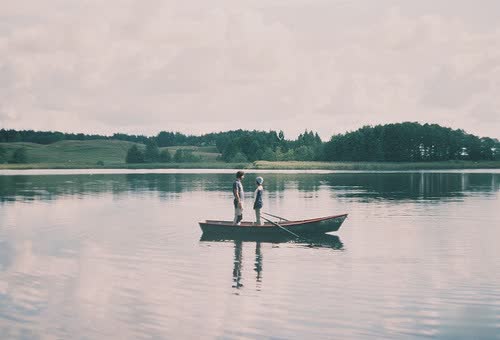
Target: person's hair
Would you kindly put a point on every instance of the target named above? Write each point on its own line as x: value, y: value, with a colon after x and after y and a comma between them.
x: 240, y: 174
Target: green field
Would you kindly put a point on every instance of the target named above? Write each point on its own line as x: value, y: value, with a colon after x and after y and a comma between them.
x: 207, y: 153
x: 195, y: 165
x: 377, y: 165
x: 72, y: 154
x: 111, y: 153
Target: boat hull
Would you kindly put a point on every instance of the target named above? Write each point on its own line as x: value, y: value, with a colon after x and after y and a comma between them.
x: 304, y: 227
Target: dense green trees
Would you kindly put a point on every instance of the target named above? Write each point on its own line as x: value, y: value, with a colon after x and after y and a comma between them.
x: 134, y: 155
x: 250, y: 145
x: 129, y: 138
x: 308, y: 147
x: 165, y: 156
x: 411, y: 142
x: 165, y: 138
x: 237, y: 145
x: 152, y: 152
x: 3, y: 155
x: 185, y: 156
x: 48, y: 137
x: 42, y: 137
x: 19, y: 156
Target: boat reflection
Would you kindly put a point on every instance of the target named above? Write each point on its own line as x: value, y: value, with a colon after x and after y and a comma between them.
x: 309, y: 241
x: 316, y: 241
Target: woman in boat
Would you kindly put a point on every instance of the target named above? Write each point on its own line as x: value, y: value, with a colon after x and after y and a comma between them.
x: 238, y: 197
x: 257, y: 204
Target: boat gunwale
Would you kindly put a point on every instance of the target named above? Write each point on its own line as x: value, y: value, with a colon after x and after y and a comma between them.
x: 216, y: 223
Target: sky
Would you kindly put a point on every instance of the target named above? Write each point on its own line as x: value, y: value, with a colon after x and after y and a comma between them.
x: 143, y: 66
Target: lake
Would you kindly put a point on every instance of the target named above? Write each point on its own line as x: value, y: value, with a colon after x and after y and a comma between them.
x: 119, y: 254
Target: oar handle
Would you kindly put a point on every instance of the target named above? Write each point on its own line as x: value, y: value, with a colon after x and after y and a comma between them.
x: 281, y: 218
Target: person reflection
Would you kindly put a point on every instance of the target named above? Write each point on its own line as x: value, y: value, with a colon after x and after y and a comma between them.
x: 238, y: 264
x: 258, y: 264
x: 318, y: 241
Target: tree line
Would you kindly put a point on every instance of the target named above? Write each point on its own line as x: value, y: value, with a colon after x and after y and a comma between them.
x: 244, y: 146
x: 238, y: 146
x: 410, y: 142
x: 400, y: 142
x: 152, y: 154
x: 164, y: 138
x: 18, y: 156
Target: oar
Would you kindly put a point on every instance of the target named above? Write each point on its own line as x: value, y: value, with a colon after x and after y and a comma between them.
x: 277, y: 225
x: 281, y: 218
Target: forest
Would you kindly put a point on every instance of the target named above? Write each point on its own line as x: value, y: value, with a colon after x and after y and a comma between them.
x: 399, y: 142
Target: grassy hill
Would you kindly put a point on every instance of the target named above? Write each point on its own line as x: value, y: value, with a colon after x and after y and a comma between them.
x: 207, y: 153
x: 87, y: 153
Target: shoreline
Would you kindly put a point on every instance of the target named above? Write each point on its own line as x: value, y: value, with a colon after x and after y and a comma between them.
x: 266, y: 165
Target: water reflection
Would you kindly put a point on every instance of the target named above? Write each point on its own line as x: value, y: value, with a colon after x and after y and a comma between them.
x: 314, y: 241
x: 106, y: 256
x: 404, y: 186
x: 368, y: 186
x: 258, y: 264
x: 238, y: 264
x: 309, y: 241
x: 6, y: 255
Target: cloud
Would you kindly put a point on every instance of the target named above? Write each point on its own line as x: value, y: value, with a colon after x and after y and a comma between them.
x: 141, y: 67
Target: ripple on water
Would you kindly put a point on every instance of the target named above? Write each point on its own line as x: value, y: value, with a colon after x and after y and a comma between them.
x: 121, y: 257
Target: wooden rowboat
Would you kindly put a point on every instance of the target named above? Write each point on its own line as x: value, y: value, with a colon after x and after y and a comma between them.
x: 302, y: 227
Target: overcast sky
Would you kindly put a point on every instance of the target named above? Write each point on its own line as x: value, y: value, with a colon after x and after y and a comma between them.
x: 141, y: 66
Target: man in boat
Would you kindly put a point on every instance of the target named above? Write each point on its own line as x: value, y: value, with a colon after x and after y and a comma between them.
x: 238, y: 194
x: 257, y: 204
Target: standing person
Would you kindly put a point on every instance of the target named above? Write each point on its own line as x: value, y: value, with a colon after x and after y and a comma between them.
x: 257, y: 204
x: 238, y: 194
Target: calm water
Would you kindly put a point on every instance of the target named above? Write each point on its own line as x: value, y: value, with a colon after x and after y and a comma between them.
x: 121, y: 256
